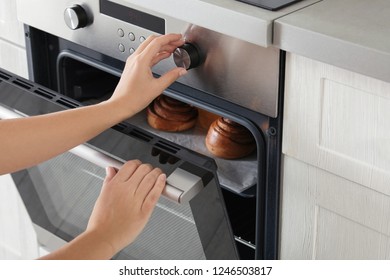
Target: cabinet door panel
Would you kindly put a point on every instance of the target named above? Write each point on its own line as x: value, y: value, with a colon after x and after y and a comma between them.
x: 325, y: 216
x: 339, y: 121
x: 339, y: 238
x: 10, y: 28
x: 12, y: 41
x: 13, y: 59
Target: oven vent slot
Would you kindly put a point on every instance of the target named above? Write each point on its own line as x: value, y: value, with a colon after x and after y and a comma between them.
x: 44, y: 93
x: 120, y: 127
x: 67, y: 103
x: 22, y: 84
x: 167, y: 147
x: 4, y: 76
x: 141, y: 135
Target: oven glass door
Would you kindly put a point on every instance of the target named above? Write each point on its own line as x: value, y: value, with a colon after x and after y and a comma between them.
x: 60, y: 194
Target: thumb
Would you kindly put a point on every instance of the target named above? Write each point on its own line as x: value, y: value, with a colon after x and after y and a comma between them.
x: 110, y: 173
x: 168, y: 78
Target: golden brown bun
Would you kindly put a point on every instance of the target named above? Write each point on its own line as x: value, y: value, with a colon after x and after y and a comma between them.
x: 229, y: 140
x: 168, y: 114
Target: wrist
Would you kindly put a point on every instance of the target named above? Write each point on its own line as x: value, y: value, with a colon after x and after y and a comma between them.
x: 88, y: 245
x: 115, y: 111
x: 102, y: 247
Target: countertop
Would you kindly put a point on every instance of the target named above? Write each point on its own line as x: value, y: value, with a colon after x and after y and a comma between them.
x: 351, y: 34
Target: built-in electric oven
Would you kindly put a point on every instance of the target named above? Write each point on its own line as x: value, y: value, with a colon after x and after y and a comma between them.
x: 213, y: 207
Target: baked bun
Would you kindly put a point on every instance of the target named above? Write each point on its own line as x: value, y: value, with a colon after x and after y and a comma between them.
x: 229, y: 140
x: 169, y: 114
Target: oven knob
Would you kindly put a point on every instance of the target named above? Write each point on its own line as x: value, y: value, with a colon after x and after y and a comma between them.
x: 187, y: 56
x: 76, y: 17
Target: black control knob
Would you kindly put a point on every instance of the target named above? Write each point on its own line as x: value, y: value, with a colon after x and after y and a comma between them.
x: 76, y: 17
x: 187, y: 56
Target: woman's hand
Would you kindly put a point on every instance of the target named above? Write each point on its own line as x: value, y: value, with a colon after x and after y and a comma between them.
x: 122, y: 210
x: 137, y: 86
x: 125, y: 204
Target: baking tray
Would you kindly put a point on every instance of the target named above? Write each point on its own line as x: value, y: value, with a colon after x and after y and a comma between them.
x: 237, y: 175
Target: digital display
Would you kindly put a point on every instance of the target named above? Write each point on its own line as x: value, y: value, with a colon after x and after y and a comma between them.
x: 133, y: 16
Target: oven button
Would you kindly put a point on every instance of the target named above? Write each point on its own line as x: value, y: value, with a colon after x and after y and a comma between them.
x: 121, y: 48
x: 120, y: 32
x: 187, y: 56
x: 141, y: 39
x: 131, y: 36
x: 76, y: 17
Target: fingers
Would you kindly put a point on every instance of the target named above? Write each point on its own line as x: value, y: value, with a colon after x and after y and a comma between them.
x: 135, y: 181
x: 148, y: 182
x: 127, y: 170
x: 167, y: 48
x: 144, y: 182
x: 110, y: 173
x: 145, y: 43
x: 159, y: 57
x: 156, y: 44
x: 154, y: 194
x: 168, y: 78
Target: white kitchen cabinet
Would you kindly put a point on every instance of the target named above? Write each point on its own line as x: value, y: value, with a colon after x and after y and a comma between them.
x: 329, y: 217
x: 17, y: 237
x: 12, y: 43
x: 336, y: 164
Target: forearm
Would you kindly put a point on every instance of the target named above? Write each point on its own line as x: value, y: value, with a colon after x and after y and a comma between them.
x: 26, y: 142
x: 86, y: 246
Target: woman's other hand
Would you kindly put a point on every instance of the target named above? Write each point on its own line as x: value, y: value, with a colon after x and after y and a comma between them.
x: 125, y: 204
x: 123, y: 208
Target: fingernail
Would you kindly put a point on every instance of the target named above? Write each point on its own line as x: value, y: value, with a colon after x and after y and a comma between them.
x: 182, y: 72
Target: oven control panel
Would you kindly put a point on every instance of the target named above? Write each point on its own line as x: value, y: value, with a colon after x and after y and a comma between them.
x: 228, y: 67
x: 128, y: 40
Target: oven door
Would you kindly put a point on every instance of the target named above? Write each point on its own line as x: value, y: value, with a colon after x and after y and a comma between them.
x: 189, y: 221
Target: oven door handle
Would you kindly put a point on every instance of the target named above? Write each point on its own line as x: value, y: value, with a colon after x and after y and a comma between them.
x: 181, y: 185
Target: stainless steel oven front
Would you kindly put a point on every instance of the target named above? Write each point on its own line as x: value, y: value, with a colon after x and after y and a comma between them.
x: 76, y: 53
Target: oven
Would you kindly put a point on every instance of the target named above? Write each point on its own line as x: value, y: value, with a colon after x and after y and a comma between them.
x: 212, y: 207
